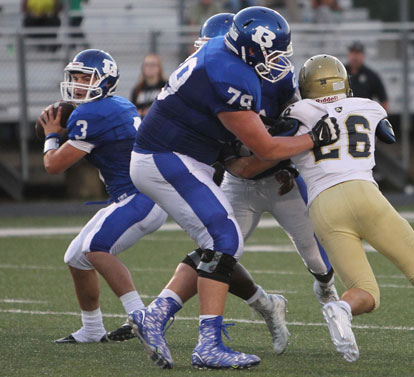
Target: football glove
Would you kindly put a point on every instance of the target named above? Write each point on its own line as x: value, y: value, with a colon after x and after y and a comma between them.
x: 233, y: 149
x: 280, y: 126
x: 325, y: 132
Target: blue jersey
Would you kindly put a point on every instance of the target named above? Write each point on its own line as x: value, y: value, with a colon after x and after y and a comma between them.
x: 106, y: 129
x: 184, y: 117
x: 275, y: 95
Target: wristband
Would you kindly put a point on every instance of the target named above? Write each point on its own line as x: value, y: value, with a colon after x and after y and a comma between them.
x: 51, y: 144
x: 52, y: 135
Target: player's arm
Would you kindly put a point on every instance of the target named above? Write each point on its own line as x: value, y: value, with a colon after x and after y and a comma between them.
x: 250, y: 130
x: 385, y: 132
x: 57, y: 159
x: 248, y: 167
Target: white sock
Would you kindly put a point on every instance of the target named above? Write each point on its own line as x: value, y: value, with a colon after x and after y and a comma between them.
x: 165, y: 293
x: 256, y: 296
x: 207, y: 316
x: 132, y: 301
x: 93, y: 328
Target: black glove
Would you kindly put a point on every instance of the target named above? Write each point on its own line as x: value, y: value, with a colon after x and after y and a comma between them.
x: 280, y: 126
x: 325, y: 132
x: 233, y: 149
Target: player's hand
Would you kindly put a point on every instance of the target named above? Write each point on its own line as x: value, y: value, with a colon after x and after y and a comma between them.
x: 49, y: 122
x: 286, y: 180
x: 280, y: 126
x: 325, y: 132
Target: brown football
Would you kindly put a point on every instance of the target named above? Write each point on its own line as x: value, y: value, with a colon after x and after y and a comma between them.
x: 67, y: 108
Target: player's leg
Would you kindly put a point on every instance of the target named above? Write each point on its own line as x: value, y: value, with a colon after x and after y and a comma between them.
x: 121, y: 227
x: 112, y: 230
x: 248, y: 204
x: 333, y: 217
x: 134, y: 217
x: 185, y: 189
x: 386, y: 230
x: 86, y: 283
x: 291, y: 213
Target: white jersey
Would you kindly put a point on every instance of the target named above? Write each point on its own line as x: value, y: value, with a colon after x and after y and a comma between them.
x: 352, y: 156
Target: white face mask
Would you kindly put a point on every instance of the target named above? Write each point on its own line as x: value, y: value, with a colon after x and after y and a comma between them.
x: 276, y: 61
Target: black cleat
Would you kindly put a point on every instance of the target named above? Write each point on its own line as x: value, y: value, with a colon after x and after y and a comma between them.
x: 71, y: 339
x: 121, y: 334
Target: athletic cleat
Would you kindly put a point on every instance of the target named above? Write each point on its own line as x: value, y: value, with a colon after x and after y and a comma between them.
x: 325, y: 294
x: 71, y: 339
x: 339, y: 319
x: 121, y: 334
x: 211, y: 353
x: 148, y: 325
x: 273, y: 309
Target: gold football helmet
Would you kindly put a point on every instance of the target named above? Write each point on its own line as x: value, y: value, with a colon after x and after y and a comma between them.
x: 324, y: 79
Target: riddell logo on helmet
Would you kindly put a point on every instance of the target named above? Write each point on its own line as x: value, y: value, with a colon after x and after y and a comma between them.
x: 327, y: 99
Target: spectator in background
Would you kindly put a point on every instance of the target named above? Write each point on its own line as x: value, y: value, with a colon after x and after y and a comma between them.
x: 150, y: 83
x: 42, y: 13
x: 364, y: 81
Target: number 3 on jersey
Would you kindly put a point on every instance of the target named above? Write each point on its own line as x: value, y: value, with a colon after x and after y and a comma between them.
x: 359, y: 144
x: 83, y: 124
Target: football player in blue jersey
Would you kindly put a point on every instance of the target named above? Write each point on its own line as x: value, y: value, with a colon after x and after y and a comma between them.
x: 212, y: 98
x: 101, y: 129
x: 249, y: 199
x: 275, y: 190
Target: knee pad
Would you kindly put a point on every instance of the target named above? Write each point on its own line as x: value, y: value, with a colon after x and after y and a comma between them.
x: 216, y: 266
x: 193, y: 259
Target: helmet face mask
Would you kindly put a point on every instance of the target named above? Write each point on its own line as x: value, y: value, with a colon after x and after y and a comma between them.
x: 103, y: 72
x: 275, y: 61
x: 324, y: 79
x: 261, y: 38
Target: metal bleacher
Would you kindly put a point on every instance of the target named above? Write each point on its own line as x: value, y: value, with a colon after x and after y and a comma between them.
x: 129, y: 29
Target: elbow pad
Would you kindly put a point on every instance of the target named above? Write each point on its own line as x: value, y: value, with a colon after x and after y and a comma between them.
x: 280, y: 126
x: 384, y: 132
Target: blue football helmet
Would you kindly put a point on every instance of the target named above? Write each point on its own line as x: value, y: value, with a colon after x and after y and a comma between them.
x: 216, y: 25
x: 261, y: 37
x: 104, y: 76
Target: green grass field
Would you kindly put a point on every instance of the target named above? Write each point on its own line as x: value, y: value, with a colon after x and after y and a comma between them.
x: 38, y: 305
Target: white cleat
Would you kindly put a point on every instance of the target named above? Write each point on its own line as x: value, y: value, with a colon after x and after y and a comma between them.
x: 338, y: 318
x: 325, y: 294
x: 273, y: 309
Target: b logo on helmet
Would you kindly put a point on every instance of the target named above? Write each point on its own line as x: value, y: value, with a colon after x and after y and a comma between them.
x: 264, y: 37
x: 109, y: 67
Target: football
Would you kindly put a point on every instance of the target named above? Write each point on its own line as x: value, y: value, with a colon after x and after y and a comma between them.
x: 67, y: 108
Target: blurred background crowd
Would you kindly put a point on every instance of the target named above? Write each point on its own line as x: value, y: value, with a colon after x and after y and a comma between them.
x: 148, y: 39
